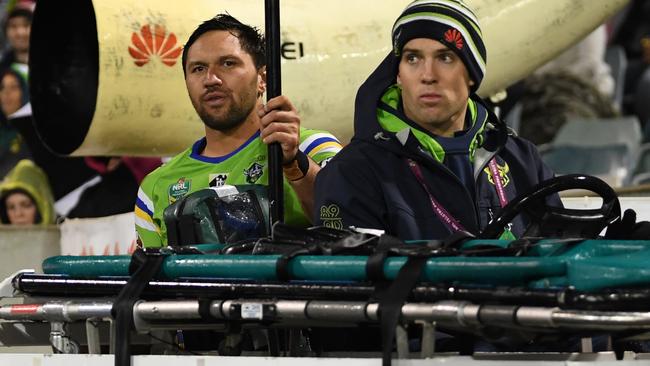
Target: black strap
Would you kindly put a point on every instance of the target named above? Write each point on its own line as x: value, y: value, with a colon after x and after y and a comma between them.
x: 392, y: 299
x: 172, y: 233
x: 375, y: 263
x: 171, y: 216
x: 282, y: 264
x: 145, y: 266
x: 186, y: 227
x: 389, y: 245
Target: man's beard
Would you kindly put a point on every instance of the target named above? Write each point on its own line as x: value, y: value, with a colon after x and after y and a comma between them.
x: 232, y: 118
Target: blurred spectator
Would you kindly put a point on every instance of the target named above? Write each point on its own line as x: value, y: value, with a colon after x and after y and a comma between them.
x: 586, y: 59
x: 631, y: 30
x: 65, y: 174
x: 14, y: 92
x: 551, y: 99
x: 13, y: 86
x: 25, y: 196
x: 576, y: 84
x: 633, y: 33
x: 17, y: 27
x: 13, y: 95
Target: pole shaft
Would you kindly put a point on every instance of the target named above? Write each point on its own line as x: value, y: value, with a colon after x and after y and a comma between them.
x: 274, y: 89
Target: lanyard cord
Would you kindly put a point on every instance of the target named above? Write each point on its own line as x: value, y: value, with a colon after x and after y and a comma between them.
x: 438, y: 209
x: 498, y: 183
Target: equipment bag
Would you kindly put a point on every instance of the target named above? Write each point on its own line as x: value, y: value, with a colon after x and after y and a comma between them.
x: 222, y: 215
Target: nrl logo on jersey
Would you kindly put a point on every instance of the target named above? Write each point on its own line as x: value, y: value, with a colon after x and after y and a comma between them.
x: 254, y: 172
x: 179, y: 189
x: 217, y: 180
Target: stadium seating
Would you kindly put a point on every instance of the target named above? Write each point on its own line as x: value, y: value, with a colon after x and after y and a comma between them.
x: 607, y: 148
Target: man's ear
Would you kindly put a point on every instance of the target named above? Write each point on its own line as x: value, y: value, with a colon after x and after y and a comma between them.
x: 399, y: 81
x: 261, y: 80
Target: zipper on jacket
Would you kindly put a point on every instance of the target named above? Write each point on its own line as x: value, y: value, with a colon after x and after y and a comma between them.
x: 484, y: 164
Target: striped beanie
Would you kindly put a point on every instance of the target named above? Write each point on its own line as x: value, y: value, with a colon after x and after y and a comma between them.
x: 451, y: 23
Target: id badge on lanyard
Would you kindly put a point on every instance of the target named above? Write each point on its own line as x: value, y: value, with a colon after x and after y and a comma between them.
x: 503, y: 200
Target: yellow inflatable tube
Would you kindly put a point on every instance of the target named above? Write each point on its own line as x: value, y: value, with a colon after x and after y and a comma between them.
x: 106, y: 77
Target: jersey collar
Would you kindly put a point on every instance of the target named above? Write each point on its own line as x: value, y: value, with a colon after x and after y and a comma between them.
x: 198, y: 147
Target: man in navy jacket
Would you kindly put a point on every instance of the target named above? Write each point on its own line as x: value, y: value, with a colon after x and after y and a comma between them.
x: 427, y: 157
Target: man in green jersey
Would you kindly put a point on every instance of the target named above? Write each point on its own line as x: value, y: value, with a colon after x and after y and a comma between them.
x: 224, y: 67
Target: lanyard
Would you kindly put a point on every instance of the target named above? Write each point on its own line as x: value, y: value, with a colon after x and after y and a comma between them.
x: 498, y: 183
x: 442, y: 213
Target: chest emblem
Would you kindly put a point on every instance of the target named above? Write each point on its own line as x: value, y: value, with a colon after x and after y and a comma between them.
x: 254, y: 172
x: 179, y: 189
x: 503, y: 173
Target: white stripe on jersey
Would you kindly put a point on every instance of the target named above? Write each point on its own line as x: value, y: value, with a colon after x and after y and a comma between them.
x: 305, y: 144
x: 149, y: 226
x: 330, y: 149
x: 145, y: 199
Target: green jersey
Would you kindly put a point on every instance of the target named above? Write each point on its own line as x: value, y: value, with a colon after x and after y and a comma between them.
x: 189, y: 172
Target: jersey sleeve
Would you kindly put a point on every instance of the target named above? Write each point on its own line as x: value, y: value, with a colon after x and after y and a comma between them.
x: 147, y: 229
x: 320, y: 146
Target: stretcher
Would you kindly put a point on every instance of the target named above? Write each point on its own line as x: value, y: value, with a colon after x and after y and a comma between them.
x: 565, y: 286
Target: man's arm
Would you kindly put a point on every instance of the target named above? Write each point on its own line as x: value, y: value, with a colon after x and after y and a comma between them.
x: 303, y: 182
x: 347, y: 194
x: 281, y: 123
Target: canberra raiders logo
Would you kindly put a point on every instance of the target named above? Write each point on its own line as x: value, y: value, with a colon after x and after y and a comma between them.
x: 503, y: 172
x: 179, y: 189
x: 254, y: 172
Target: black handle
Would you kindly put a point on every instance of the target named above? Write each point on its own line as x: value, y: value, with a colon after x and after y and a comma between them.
x: 274, y: 89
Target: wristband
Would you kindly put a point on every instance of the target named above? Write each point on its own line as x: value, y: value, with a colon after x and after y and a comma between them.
x: 297, y: 168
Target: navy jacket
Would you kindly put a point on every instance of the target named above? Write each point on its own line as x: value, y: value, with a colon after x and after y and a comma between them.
x: 369, y: 183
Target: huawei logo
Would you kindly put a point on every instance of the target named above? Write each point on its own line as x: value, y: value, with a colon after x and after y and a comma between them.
x: 154, y: 41
x: 454, y: 36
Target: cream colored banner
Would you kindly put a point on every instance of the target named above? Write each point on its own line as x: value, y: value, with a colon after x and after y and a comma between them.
x: 329, y: 48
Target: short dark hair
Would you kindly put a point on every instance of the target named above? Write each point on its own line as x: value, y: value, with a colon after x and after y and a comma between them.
x: 15, y: 13
x: 249, y: 37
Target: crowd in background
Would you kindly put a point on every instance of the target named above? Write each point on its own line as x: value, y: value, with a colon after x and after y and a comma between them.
x: 579, y: 83
x: 583, y: 81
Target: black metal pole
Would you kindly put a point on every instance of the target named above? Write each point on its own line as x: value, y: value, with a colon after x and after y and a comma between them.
x: 274, y: 89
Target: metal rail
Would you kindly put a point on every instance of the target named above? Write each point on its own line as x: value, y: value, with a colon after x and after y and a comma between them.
x: 174, y: 313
